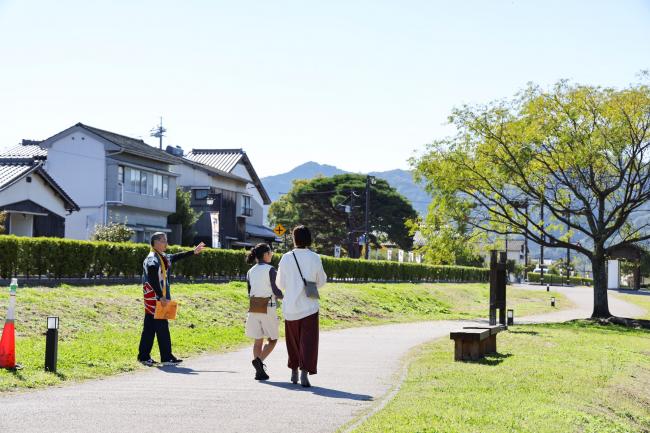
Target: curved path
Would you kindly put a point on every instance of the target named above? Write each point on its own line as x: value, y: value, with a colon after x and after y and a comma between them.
x: 217, y: 393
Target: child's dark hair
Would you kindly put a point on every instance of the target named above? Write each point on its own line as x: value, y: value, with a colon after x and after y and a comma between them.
x: 257, y: 252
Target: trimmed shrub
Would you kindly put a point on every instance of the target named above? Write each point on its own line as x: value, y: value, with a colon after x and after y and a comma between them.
x: 67, y: 258
x: 534, y: 277
x: 113, y: 232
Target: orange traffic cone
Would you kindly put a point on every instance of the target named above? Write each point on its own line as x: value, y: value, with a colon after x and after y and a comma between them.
x: 8, y: 340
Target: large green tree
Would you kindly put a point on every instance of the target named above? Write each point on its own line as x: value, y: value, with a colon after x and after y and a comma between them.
x: 581, y: 153
x: 185, y: 216
x: 448, y: 240
x: 321, y: 203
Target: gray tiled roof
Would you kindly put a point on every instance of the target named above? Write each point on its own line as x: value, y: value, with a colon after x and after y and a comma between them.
x: 212, y: 170
x: 221, y: 159
x: 226, y: 160
x: 14, y: 169
x: 25, y: 151
x: 132, y: 145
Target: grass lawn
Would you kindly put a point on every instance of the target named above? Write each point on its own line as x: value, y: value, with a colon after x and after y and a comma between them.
x: 574, y: 377
x: 100, y: 326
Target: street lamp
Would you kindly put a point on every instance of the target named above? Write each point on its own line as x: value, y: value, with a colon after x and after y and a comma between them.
x: 209, y: 200
x: 369, y: 180
x: 51, y: 343
x: 511, y: 317
x: 553, y: 301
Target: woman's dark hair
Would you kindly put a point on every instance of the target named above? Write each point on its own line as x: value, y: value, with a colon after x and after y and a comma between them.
x: 301, y: 237
x: 257, y: 252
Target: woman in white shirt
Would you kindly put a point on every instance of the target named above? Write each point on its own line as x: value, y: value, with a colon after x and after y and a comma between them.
x: 261, y: 287
x: 301, y: 311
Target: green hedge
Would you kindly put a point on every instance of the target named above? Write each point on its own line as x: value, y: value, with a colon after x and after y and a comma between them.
x: 66, y: 258
x: 534, y: 277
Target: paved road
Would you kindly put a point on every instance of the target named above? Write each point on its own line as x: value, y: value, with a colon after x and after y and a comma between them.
x: 218, y: 394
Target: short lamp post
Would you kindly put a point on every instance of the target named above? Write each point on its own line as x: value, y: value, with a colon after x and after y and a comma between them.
x: 548, y: 288
x: 553, y: 301
x: 511, y: 317
x: 51, y: 344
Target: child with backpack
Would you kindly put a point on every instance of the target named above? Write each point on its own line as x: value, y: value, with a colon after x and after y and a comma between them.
x: 262, y: 320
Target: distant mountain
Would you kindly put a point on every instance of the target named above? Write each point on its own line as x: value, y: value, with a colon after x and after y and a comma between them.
x: 401, y: 180
x: 280, y: 184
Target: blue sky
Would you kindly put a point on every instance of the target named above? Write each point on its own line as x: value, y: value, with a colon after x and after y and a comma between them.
x: 357, y: 84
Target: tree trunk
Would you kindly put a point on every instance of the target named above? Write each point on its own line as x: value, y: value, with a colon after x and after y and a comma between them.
x: 601, y: 306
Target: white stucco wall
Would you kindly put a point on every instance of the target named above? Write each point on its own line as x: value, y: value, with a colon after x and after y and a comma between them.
x: 613, y: 274
x: 241, y: 171
x: 81, y: 225
x: 190, y: 176
x: 77, y: 162
x: 194, y: 177
x: 258, y: 206
x: 21, y: 224
x: 37, y: 191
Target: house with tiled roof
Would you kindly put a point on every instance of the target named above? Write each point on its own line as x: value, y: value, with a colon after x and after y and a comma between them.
x: 110, y: 176
x: 34, y: 203
x: 230, y: 195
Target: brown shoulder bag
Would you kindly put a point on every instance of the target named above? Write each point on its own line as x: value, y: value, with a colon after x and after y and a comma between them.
x: 258, y: 305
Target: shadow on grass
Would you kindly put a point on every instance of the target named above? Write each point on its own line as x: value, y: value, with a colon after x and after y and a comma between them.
x: 186, y: 370
x: 323, y: 392
x: 615, y: 324
x: 16, y: 372
x: 493, y: 359
x: 523, y: 332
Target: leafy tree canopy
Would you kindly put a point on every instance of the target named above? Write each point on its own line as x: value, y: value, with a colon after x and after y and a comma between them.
x: 580, y: 152
x: 320, y: 205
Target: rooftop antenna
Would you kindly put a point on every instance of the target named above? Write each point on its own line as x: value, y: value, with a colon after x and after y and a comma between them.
x: 158, y: 132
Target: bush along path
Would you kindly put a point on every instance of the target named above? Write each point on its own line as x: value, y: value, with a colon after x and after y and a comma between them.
x: 357, y: 367
x: 55, y: 258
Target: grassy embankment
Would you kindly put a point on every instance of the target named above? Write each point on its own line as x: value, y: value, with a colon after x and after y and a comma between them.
x: 574, y: 377
x: 100, y: 326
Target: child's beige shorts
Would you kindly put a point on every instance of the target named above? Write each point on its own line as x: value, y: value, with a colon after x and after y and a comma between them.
x: 260, y: 325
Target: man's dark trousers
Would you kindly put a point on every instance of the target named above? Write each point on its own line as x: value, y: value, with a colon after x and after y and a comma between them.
x: 160, y: 329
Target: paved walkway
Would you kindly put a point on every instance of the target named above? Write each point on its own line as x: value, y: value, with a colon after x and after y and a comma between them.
x: 217, y: 393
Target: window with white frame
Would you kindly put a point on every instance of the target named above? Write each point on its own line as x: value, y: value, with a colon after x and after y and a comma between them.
x: 145, y: 182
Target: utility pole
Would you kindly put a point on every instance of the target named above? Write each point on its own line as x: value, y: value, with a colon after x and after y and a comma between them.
x: 158, y: 132
x: 526, y: 245
x: 351, y: 253
x: 369, y: 179
x: 568, y: 251
x: 523, y: 204
x: 541, y: 246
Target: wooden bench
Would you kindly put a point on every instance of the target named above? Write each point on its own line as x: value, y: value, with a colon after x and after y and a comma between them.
x: 470, y: 344
x: 490, y: 345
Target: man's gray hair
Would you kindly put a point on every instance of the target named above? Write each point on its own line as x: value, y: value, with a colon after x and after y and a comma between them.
x: 157, y: 236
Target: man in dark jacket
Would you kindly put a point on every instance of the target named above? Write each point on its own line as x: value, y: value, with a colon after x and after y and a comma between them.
x: 155, y: 287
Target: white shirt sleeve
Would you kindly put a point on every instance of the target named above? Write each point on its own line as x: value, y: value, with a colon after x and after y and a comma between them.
x: 321, y: 277
x: 281, y: 277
